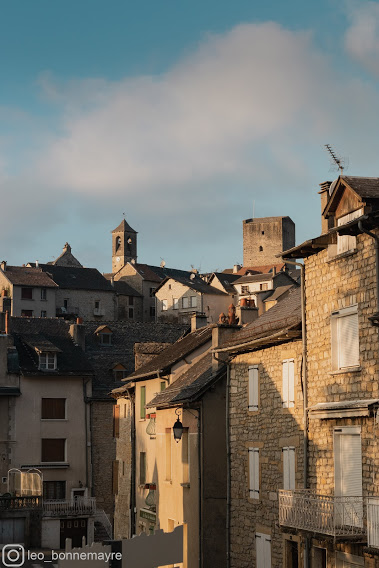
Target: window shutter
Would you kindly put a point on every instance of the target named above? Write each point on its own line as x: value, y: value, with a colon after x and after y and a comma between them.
x: 254, y: 473
x: 143, y: 402
x: 348, y: 340
x: 263, y: 550
x: 348, y: 473
x: 285, y: 384
x: 289, y: 468
x: 291, y: 383
x: 116, y: 421
x: 286, y: 477
x: 253, y: 388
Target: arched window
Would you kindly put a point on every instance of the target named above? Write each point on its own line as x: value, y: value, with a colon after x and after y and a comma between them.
x: 118, y: 243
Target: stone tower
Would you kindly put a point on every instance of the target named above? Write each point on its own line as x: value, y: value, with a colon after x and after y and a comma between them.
x: 124, y: 246
x: 265, y: 237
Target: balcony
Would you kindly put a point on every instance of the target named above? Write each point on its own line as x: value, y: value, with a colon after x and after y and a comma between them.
x: 20, y: 503
x: 309, y: 511
x: 70, y: 508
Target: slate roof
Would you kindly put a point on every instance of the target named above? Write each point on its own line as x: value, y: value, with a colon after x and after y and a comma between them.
x: 124, y: 227
x: 189, y: 386
x: 73, y: 278
x: 165, y: 360
x: 278, y: 292
x: 365, y: 187
x: 124, y: 336
x: 286, y: 314
x: 195, y: 283
x: 157, y: 273
x: 33, y: 333
x: 28, y: 276
x: 255, y: 269
x: 249, y: 278
x: 124, y: 289
x: 226, y: 280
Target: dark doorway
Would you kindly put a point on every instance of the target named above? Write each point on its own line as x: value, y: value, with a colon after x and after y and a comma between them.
x: 74, y: 529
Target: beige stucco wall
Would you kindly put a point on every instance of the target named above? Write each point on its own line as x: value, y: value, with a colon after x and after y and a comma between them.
x: 36, y: 304
x: 269, y: 429
x: 28, y: 433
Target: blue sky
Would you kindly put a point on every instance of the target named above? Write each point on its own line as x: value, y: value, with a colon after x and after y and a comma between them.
x: 184, y: 115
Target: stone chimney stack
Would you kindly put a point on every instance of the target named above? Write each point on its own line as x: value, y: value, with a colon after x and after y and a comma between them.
x: 3, y: 265
x: 220, y: 334
x: 324, y: 194
x: 198, y: 320
x: 77, y: 332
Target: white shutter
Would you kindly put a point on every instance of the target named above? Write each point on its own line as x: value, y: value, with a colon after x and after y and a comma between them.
x: 348, y: 341
x: 254, y: 473
x: 285, y: 384
x: 346, y: 243
x: 348, y: 473
x: 253, y: 388
x: 291, y: 383
x: 289, y: 468
x: 263, y: 550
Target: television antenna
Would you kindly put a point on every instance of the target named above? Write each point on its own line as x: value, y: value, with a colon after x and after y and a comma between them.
x: 337, y: 163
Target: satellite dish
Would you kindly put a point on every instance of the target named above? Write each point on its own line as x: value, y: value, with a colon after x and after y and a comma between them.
x: 193, y: 275
x: 162, y: 264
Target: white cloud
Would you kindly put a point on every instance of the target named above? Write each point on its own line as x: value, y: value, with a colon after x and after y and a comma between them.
x: 362, y: 37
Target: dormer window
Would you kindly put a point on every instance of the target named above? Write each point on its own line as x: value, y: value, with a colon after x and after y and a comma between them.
x: 47, y: 361
x: 119, y: 372
x: 104, y: 333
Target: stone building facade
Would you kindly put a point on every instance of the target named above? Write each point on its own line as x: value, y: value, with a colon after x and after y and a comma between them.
x: 266, y: 237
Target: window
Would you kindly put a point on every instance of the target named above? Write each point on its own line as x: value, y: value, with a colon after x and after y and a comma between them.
x: 260, y: 249
x: 163, y: 386
x: 65, y: 303
x: 164, y: 305
x: 244, y: 289
x: 348, y: 473
x: 288, y: 369
x: 119, y: 372
x: 118, y: 243
x: 152, y: 311
x: 116, y: 421
x: 142, y: 403
x: 47, y: 361
x: 345, y: 338
x: 185, y: 302
x: 347, y: 243
x: 53, y: 408
x: 53, y: 449
x: 253, y: 387
x: 288, y: 467
x: 97, y: 305
x: 43, y: 313
x: 131, y: 300
x: 26, y: 293
x: 168, y: 453
x: 254, y: 473
x: 131, y: 313
x: 54, y: 490
x: 263, y: 286
x: 263, y: 550
x: 43, y: 294
x: 175, y: 304
x: 105, y: 338
x: 193, y: 300
x: 152, y: 292
x: 27, y: 313
x: 142, y: 468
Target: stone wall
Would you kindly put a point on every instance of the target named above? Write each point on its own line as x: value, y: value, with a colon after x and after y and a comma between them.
x: 264, y: 238
x: 122, y: 514
x: 270, y: 429
x: 83, y: 303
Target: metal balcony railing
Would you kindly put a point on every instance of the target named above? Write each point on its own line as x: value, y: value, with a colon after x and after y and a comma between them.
x: 72, y: 507
x: 18, y: 503
x: 307, y: 510
x: 373, y: 522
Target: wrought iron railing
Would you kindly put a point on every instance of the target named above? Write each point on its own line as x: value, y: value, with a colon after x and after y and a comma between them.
x: 373, y: 522
x: 16, y: 503
x: 103, y: 518
x: 324, y: 514
x: 78, y: 506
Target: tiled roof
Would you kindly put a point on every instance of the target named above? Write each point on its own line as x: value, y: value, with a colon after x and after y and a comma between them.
x: 125, y: 334
x: 158, y: 273
x: 28, y: 276
x: 189, y: 386
x: 227, y: 280
x: 165, y: 360
x: 254, y: 278
x: 255, y: 269
x: 73, y: 278
x: 195, y: 283
x: 366, y: 187
x: 124, y: 227
x: 32, y: 333
x: 285, y: 314
x: 278, y: 292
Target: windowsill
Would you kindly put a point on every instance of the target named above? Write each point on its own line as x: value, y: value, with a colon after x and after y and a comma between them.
x: 54, y: 465
x: 185, y: 485
x: 252, y: 412
x: 54, y: 420
x: 142, y: 420
x: 356, y: 369
x: 28, y: 299
x: 342, y: 255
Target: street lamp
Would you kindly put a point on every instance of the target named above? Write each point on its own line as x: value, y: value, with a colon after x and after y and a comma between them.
x: 178, y: 427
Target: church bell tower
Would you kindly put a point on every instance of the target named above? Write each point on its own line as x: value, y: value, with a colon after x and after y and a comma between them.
x: 124, y: 246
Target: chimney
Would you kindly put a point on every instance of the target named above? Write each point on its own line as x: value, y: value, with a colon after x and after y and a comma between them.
x: 324, y: 194
x: 220, y: 334
x: 77, y: 332
x: 274, y: 270
x: 246, y: 314
x: 37, y: 264
x: 198, y: 320
x: 66, y: 248
x: 236, y: 268
x: 3, y: 265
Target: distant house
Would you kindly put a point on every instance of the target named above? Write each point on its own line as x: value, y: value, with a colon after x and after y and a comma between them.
x: 27, y: 291
x: 178, y: 297
x: 255, y: 288
x: 129, y: 301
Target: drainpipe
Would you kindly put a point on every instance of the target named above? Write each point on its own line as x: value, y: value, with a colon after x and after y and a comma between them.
x: 305, y: 392
x: 227, y: 468
x: 376, y: 245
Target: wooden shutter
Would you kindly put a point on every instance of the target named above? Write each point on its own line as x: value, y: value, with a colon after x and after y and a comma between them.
x: 116, y: 421
x: 254, y: 473
x: 291, y: 383
x: 53, y: 408
x: 263, y: 550
x: 53, y: 449
x: 289, y: 468
x: 348, y: 341
x: 285, y: 384
x: 253, y: 387
x: 143, y: 402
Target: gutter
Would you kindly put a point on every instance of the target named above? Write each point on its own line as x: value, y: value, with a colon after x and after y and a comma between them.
x: 255, y: 342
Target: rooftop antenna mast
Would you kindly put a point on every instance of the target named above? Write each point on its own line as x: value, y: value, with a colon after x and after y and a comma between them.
x: 339, y: 162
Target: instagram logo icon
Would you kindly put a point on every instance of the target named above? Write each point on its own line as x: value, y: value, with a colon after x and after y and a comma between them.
x: 13, y: 555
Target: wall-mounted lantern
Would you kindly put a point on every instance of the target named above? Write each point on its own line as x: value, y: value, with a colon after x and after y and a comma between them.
x: 178, y: 427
